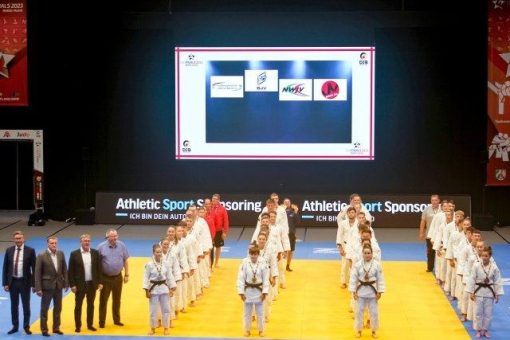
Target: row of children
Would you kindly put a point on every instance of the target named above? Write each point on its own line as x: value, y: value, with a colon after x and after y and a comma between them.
x: 464, y: 266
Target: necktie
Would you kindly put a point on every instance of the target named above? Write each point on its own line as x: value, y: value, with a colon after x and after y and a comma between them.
x: 16, y: 261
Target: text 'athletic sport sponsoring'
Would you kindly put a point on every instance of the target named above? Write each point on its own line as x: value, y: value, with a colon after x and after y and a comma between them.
x: 244, y: 210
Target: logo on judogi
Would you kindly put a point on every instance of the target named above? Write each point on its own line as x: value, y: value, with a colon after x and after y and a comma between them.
x: 500, y: 174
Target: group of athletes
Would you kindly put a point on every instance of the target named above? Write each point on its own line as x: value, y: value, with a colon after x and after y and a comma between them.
x: 462, y: 263
x: 460, y: 259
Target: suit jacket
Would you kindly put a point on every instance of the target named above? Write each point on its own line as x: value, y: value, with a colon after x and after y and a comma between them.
x: 46, y: 277
x: 76, y: 272
x: 28, y: 265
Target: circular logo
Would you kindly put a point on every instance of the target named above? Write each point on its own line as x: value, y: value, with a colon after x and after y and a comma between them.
x: 363, y: 55
x: 330, y: 89
x: 185, y: 143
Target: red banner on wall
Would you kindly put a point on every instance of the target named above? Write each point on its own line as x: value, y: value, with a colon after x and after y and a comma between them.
x: 13, y: 53
x: 498, y: 98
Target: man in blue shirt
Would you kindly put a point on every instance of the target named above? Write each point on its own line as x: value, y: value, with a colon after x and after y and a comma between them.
x: 114, y: 258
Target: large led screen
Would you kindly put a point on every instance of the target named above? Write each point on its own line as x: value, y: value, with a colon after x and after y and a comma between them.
x: 275, y: 103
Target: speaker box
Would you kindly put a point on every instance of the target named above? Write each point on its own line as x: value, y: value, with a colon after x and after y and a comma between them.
x: 85, y: 217
x: 483, y: 221
x: 37, y: 218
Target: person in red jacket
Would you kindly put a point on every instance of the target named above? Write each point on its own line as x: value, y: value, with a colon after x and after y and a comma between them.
x: 221, y: 223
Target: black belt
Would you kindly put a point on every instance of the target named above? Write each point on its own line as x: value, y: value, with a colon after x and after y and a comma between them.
x: 366, y: 283
x: 111, y: 276
x: 253, y: 285
x: 485, y: 285
x: 157, y: 283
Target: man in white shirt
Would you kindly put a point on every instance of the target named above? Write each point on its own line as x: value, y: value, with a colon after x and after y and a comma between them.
x: 85, y: 277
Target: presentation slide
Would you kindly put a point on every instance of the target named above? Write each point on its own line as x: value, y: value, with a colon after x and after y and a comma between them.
x: 275, y: 103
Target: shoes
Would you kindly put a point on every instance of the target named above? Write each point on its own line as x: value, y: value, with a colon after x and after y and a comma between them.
x: 59, y: 332
x: 27, y: 331
x: 101, y: 325
x: 45, y: 334
x: 118, y: 323
x: 77, y: 330
x: 91, y: 328
x: 12, y: 331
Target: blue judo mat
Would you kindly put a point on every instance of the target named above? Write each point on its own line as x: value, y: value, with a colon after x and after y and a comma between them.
x: 304, y: 250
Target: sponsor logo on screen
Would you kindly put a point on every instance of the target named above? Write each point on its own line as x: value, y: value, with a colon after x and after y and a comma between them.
x: 357, y: 149
x: 330, y: 89
x: 227, y: 87
x: 295, y: 89
x: 192, y: 60
x: 261, y: 80
x: 363, y: 58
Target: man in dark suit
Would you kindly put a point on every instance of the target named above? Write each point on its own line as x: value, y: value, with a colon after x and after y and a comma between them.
x: 85, y: 276
x: 50, y: 279
x: 17, y: 278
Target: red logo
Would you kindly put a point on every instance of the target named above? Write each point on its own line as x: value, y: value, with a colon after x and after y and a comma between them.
x: 330, y: 89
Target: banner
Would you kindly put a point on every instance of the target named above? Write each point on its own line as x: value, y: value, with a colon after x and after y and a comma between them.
x: 498, y: 98
x: 394, y: 211
x: 36, y: 137
x: 13, y: 53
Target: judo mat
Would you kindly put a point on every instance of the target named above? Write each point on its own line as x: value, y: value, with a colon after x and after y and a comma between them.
x: 312, y: 307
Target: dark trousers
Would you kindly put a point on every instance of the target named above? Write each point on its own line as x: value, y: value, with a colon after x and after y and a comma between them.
x: 88, y: 291
x: 111, y: 284
x: 47, y: 297
x: 431, y: 256
x: 19, y: 287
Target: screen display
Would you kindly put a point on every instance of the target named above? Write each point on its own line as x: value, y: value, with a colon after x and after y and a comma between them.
x: 275, y: 103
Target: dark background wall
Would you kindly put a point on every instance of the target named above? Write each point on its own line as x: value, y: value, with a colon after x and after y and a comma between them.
x: 102, y: 88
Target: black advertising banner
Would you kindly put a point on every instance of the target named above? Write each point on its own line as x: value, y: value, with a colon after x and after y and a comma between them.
x: 388, y: 211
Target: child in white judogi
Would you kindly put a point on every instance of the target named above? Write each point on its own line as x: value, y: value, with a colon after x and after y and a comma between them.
x: 485, y: 287
x: 468, y: 252
x: 268, y: 253
x: 171, y: 258
x: 253, y: 287
x: 366, y: 285
x: 344, y: 231
x: 159, y: 284
x: 451, y: 254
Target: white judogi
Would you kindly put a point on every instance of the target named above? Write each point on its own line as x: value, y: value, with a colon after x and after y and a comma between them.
x: 253, y: 281
x: 158, y: 279
x: 459, y: 286
x: 465, y: 253
x: 171, y: 259
x: 182, y: 259
x: 451, y: 255
x: 440, y: 243
x: 190, y: 247
x: 199, y: 251
x: 343, y: 233
x: 204, y: 237
x: 485, y: 282
x: 270, y: 256
x: 361, y: 274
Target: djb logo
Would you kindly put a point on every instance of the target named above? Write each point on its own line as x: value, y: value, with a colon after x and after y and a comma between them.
x: 186, y: 146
